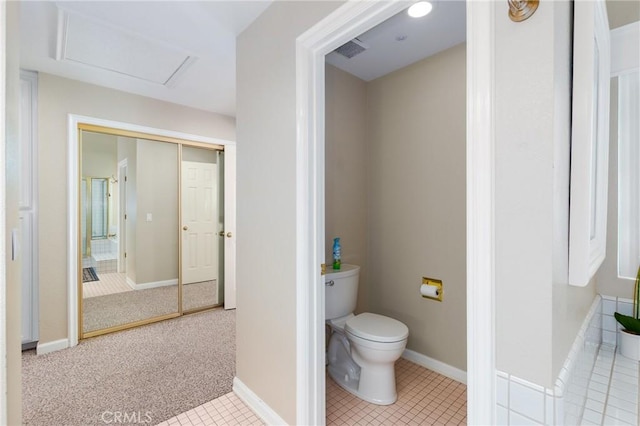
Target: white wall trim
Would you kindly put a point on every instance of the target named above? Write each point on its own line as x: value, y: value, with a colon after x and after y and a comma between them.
x: 481, y: 357
x: 73, y: 197
x: 435, y: 365
x: 348, y: 21
x: 625, y: 55
x: 3, y: 209
x: 258, y: 406
x: 29, y: 212
x: 56, y: 345
x: 151, y: 284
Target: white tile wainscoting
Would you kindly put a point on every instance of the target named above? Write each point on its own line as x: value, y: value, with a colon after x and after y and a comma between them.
x: 596, y: 386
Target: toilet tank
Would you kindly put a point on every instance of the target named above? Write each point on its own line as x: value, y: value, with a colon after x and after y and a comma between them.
x: 341, y: 291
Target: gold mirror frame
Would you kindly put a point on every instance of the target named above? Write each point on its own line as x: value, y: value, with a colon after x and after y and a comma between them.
x: 83, y: 127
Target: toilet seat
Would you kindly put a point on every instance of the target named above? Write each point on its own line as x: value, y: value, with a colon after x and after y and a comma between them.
x: 376, y: 328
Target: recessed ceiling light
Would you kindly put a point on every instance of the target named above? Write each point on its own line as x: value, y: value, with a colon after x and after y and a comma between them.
x: 420, y: 9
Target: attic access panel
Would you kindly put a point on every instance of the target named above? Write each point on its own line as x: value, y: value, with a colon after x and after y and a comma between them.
x: 97, y: 44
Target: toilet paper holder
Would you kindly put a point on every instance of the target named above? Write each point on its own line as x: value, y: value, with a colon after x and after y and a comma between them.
x: 431, y: 283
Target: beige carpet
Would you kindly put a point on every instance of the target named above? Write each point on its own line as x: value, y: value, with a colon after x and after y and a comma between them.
x: 161, y: 369
x: 123, y: 308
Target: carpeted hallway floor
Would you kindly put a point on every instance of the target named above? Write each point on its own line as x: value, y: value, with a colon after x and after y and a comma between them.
x: 153, y: 372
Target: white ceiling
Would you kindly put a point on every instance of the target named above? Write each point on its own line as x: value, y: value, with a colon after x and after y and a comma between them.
x: 441, y: 29
x: 184, y: 51
x: 177, y: 51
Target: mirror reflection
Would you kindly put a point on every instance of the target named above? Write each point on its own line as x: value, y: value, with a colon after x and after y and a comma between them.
x: 129, y: 212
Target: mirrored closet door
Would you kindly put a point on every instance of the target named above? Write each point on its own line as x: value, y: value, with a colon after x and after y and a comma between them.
x: 151, y: 229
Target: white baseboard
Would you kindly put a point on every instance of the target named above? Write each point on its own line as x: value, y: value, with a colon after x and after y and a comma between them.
x: 56, y: 345
x: 151, y: 284
x: 435, y: 365
x: 257, y: 405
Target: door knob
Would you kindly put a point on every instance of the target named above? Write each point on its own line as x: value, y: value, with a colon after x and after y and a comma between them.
x: 229, y: 235
x: 185, y: 228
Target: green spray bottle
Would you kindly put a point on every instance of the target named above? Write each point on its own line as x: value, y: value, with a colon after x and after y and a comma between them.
x: 337, y: 253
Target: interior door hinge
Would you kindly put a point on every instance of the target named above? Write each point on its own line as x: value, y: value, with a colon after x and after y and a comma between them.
x: 125, y: 254
x: 323, y: 269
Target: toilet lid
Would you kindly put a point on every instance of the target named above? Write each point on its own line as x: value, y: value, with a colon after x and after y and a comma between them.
x: 377, y: 328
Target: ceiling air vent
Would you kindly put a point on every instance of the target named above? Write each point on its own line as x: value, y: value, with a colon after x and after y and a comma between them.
x: 351, y: 48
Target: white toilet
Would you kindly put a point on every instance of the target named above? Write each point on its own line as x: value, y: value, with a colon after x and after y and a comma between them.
x: 363, y: 348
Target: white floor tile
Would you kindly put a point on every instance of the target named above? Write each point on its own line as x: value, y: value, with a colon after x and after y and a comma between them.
x: 626, y: 362
x: 620, y: 414
x: 619, y: 377
x: 621, y: 394
x: 626, y: 371
x: 517, y: 419
x: 628, y: 387
x: 631, y: 407
x: 598, y: 387
x: 597, y: 396
x: 595, y: 405
x: 600, y: 379
x: 592, y: 416
x: 611, y: 421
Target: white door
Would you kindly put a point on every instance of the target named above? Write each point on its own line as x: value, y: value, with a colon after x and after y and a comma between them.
x: 230, y: 227
x: 199, y: 222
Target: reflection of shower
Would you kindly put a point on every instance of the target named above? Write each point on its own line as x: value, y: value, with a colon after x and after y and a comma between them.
x: 99, y: 248
x: 99, y: 203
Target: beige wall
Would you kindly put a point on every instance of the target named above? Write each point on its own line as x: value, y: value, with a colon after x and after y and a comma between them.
x: 99, y: 155
x: 417, y: 208
x: 157, y: 194
x: 537, y: 314
x: 127, y: 150
x: 608, y: 281
x: 200, y: 155
x: 346, y: 183
x: 622, y: 12
x: 266, y: 191
x: 12, y: 176
x: 57, y: 98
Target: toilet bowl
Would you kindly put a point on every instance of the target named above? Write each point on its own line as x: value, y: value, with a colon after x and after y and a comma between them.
x: 363, y: 348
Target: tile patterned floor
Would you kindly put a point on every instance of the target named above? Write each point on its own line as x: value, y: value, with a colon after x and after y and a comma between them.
x: 108, y: 283
x: 226, y: 410
x: 612, y: 398
x: 424, y: 398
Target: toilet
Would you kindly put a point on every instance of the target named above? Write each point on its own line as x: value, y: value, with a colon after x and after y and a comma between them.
x: 363, y: 348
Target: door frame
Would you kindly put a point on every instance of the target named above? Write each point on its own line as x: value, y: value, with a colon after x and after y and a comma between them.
x: 3, y: 209
x: 73, y: 176
x: 122, y: 211
x: 345, y: 23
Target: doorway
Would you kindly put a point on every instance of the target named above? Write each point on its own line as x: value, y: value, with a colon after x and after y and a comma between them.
x: 137, y: 259
x: 343, y: 25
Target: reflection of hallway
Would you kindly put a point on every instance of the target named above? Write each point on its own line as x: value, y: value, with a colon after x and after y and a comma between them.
x: 117, y: 308
x: 108, y: 283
